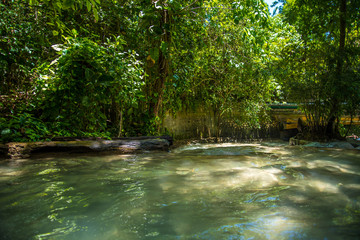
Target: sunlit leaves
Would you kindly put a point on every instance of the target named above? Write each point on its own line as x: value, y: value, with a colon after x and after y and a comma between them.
x: 226, y: 75
x: 214, y: 53
x: 314, y: 70
x: 86, y: 79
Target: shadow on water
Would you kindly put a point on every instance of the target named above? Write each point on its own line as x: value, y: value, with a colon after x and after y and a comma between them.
x: 208, y: 191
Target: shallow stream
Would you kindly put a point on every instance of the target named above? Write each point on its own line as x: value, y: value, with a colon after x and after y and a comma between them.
x: 213, y: 191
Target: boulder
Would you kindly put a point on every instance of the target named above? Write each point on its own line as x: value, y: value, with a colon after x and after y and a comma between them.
x: 355, y: 143
x: 295, y: 141
x: 343, y: 145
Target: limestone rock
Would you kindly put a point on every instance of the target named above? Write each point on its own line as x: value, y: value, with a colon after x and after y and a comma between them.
x: 123, y: 145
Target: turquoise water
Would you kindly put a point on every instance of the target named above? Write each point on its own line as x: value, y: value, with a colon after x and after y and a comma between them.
x: 214, y: 191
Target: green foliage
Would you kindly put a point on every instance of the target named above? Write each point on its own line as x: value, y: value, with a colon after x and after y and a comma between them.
x: 86, y: 83
x: 76, y: 92
x: 317, y: 61
x: 22, y: 127
x: 95, y: 86
x: 121, y: 66
x: 22, y: 45
x: 225, y: 71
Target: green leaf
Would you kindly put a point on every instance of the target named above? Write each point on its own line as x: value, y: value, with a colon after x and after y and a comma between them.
x: 88, y: 6
x: 154, y: 53
x: 67, y: 4
x: 87, y: 73
x: 164, y: 47
x: 85, y: 100
x: 74, y: 32
x: 96, y: 15
x: 58, y: 4
x: 6, y: 131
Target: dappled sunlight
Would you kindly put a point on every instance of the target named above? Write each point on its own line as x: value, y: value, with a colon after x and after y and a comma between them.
x: 262, y: 226
x: 276, y: 226
x: 250, y: 177
x: 277, y: 151
x: 229, y: 149
x: 210, y: 191
x: 11, y: 169
x: 8, y: 172
x: 298, y: 198
x: 335, y: 167
x: 322, y: 186
x: 295, y: 163
x: 224, y: 175
x: 121, y: 157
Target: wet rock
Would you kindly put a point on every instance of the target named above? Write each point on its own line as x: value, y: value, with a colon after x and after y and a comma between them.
x: 355, y: 143
x: 342, y: 145
x: 316, y: 145
x: 295, y: 141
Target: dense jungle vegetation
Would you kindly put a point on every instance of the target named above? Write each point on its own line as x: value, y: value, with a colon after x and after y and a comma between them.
x: 111, y: 68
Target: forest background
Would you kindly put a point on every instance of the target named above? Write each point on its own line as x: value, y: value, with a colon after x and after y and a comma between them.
x: 108, y: 68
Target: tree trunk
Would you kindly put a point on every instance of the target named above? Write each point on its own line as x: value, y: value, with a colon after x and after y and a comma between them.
x: 342, y: 31
x: 160, y: 84
x: 332, y: 125
x: 163, y: 66
x: 120, y: 122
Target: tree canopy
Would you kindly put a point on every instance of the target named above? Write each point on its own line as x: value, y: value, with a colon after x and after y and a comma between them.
x: 115, y: 68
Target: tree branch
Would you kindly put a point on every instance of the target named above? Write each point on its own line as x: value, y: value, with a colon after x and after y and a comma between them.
x: 188, y: 6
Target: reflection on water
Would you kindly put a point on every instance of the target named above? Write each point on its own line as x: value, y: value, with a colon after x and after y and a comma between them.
x: 224, y: 191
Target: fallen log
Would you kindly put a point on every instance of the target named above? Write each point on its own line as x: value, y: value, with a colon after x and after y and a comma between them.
x: 16, y: 150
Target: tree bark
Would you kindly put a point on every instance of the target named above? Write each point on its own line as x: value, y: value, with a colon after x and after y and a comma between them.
x: 342, y: 28
x: 163, y: 66
x: 332, y: 125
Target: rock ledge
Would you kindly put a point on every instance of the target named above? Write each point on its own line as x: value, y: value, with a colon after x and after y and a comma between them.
x: 16, y: 150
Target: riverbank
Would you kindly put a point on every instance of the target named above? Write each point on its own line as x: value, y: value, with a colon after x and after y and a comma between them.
x: 17, y: 150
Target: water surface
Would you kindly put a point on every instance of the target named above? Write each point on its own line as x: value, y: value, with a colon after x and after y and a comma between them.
x: 214, y: 191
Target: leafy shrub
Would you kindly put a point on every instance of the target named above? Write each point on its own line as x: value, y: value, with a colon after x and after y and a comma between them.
x: 22, y: 127
x: 89, y: 87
